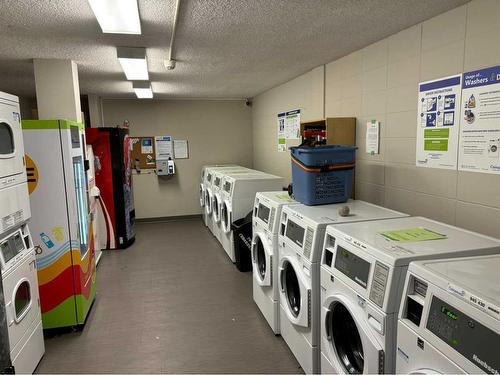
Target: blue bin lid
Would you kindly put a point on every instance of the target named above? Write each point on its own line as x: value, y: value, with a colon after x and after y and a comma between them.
x: 322, y: 148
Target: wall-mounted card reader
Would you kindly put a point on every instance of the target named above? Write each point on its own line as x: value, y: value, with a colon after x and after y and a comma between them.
x: 165, y: 167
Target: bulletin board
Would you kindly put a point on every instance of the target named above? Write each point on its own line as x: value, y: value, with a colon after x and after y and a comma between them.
x: 143, y: 153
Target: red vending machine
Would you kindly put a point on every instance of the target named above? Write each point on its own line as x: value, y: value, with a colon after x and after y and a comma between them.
x: 113, y: 177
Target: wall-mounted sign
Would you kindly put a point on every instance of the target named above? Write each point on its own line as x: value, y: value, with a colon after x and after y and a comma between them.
x: 288, y: 127
x: 438, y: 123
x: 480, y: 122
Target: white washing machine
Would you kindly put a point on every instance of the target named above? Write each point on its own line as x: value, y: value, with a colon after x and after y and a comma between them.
x: 301, y: 236
x: 449, y: 320
x: 266, y: 219
x: 238, y: 196
x: 207, y: 201
x: 22, y: 305
x: 14, y: 201
x: 363, y: 269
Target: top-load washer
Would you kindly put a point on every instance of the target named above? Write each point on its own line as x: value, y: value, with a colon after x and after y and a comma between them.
x: 449, y: 320
x: 302, y: 230
x: 206, y: 189
x: 22, y: 305
x: 238, y: 196
x: 14, y: 199
x: 266, y: 219
x: 362, y: 276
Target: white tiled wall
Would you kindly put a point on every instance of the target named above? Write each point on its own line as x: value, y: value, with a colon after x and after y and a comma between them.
x: 380, y: 82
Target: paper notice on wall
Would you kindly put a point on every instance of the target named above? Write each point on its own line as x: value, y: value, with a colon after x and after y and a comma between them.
x: 281, y: 132
x: 438, y: 123
x: 146, y: 145
x: 479, y: 149
x: 372, y: 137
x: 181, y: 150
x: 164, y: 149
x: 292, y: 124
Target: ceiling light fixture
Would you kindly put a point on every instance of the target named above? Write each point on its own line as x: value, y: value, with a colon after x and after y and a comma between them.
x: 133, y: 62
x: 142, y: 89
x: 117, y: 16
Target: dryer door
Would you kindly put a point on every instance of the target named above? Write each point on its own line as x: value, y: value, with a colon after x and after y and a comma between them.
x: 225, y: 213
x: 262, y: 259
x: 352, y: 348
x: 202, y: 195
x: 11, y: 145
x: 216, y: 207
x: 208, y: 201
x: 295, y: 292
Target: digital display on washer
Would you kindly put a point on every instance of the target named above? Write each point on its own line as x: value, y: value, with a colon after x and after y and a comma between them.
x: 263, y: 213
x: 217, y: 181
x: 227, y: 187
x: 75, y: 136
x: 477, y: 343
x: 295, y: 232
x: 352, y: 266
x: 209, y: 177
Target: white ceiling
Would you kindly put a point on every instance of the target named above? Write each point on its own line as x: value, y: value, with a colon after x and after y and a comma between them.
x: 224, y: 48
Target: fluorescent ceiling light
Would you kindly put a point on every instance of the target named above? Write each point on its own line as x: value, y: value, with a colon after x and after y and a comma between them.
x: 142, y: 89
x: 133, y: 62
x: 117, y: 16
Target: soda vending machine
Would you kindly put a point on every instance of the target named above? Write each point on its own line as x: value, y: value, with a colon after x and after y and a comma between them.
x: 61, y: 224
x: 113, y: 177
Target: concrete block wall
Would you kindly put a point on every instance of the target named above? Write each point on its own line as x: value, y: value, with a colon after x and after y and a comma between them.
x: 380, y: 82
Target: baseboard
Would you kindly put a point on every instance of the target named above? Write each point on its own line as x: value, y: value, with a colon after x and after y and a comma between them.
x: 168, y: 218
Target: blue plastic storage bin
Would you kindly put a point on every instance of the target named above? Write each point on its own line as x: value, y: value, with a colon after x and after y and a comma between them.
x: 322, y: 174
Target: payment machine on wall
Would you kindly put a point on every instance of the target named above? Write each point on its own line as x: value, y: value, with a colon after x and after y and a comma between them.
x: 61, y: 224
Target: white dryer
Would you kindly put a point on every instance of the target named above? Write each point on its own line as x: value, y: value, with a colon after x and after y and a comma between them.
x: 301, y: 236
x: 266, y: 219
x: 207, y: 201
x: 363, y: 269
x: 238, y: 196
x: 22, y: 305
x: 14, y: 200
x: 449, y: 320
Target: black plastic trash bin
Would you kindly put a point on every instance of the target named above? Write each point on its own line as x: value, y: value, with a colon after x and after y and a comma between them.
x: 242, y: 237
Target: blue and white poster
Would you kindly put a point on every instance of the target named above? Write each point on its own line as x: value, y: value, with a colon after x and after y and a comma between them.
x: 480, y: 121
x: 438, y: 123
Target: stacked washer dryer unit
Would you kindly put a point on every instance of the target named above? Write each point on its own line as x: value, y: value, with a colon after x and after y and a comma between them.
x: 300, y: 241
x: 363, y: 269
x: 266, y: 220
x: 449, y: 320
x: 238, y: 196
x: 17, y: 255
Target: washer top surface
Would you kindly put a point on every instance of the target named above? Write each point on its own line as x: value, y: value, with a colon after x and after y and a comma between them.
x: 329, y: 214
x: 278, y: 197
x: 248, y: 175
x: 465, y: 272
x: 455, y: 241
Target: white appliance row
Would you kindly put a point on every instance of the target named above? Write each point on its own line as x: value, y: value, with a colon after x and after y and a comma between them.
x: 227, y: 194
x: 17, y: 254
x: 332, y: 286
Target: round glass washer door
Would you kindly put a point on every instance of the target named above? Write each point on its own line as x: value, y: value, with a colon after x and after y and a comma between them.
x: 291, y: 288
x: 346, y: 340
x: 260, y: 258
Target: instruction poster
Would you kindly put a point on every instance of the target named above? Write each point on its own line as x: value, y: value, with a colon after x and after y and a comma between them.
x: 438, y: 120
x: 281, y: 132
x: 372, y: 137
x: 288, y: 127
x: 480, y: 121
x: 164, y: 149
x: 181, y: 150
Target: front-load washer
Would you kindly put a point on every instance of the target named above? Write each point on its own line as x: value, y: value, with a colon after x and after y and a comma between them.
x: 449, y: 319
x: 266, y: 219
x: 14, y: 199
x: 363, y: 269
x: 20, y: 287
x: 238, y: 196
x: 300, y: 243
x: 208, y: 172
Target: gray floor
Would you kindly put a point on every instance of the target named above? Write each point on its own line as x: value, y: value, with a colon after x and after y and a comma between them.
x: 173, y: 302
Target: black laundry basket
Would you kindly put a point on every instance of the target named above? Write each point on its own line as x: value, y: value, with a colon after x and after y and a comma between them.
x: 242, y: 237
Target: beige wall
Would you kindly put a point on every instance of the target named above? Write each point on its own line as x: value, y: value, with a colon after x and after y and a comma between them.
x: 380, y: 82
x: 217, y: 131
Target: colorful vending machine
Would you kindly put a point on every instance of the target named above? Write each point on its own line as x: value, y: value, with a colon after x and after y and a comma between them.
x: 113, y: 175
x: 61, y: 223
